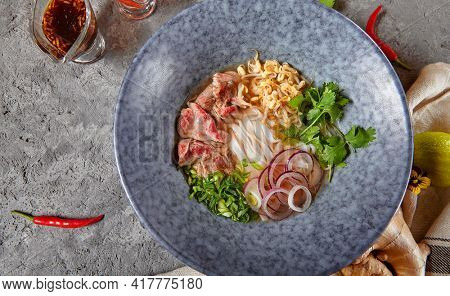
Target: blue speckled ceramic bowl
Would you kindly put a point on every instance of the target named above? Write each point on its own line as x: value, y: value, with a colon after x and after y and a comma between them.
x: 347, y: 216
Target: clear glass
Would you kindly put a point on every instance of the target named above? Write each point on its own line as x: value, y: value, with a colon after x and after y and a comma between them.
x: 87, y: 48
x: 136, y: 9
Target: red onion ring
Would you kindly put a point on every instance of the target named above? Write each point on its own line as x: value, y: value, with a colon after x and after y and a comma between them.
x: 246, y: 184
x: 302, y: 180
x: 263, y: 217
x: 287, y: 180
x: 290, y: 171
x: 278, y: 161
x: 315, y: 177
x: 295, y: 162
x: 281, y: 214
x: 263, y: 184
x: 307, y: 202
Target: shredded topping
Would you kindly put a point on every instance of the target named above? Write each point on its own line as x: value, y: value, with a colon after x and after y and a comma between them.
x: 269, y: 86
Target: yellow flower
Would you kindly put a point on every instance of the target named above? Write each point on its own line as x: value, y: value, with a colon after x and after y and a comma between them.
x: 418, y: 181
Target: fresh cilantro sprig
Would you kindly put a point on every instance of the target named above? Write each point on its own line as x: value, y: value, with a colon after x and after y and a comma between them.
x: 222, y: 194
x: 329, y: 3
x: 320, y: 108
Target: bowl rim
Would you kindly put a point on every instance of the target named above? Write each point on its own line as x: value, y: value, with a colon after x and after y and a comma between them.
x: 154, y: 232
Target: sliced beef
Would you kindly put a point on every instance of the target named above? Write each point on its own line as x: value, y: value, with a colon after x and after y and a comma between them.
x: 225, y: 85
x: 206, y: 158
x: 196, y: 123
x: 216, y: 162
x: 240, y: 102
x: 186, y: 122
x: 225, y: 90
x: 206, y: 98
x: 225, y: 111
x: 220, y: 97
x: 190, y: 150
x: 203, y: 125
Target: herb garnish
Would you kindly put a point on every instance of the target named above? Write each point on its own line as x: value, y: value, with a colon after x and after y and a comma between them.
x: 320, y: 108
x: 222, y: 194
x: 329, y: 3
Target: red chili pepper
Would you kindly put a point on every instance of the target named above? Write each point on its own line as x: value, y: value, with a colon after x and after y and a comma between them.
x: 388, y: 51
x: 59, y: 222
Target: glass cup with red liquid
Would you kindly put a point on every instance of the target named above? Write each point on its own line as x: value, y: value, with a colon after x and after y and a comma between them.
x: 136, y: 9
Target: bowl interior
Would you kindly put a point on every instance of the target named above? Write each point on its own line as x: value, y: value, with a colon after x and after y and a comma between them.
x: 347, y: 215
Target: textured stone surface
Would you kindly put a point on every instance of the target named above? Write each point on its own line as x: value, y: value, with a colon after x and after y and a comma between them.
x: 56, y: 136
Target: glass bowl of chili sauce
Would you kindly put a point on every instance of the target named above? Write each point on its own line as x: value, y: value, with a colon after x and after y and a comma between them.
x: 67, y: 31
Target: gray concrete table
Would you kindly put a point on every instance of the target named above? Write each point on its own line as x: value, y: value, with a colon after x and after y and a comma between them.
x: 56, y: 154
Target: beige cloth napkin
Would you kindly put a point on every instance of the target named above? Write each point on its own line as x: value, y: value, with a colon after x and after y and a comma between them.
x: 429, y: 103
x: 438, y: 239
